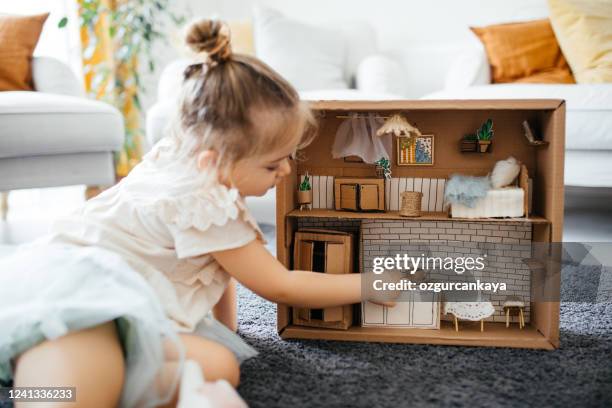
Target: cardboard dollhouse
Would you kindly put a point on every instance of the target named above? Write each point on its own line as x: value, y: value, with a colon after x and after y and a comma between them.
x: 355, y: 217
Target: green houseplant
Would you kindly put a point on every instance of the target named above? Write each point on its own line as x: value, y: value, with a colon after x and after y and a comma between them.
x: 484, y: 135
x: 305, y: 193
x: 383, y: 168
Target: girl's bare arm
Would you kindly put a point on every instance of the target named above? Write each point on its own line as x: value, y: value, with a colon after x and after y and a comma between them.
x: 254, y: 267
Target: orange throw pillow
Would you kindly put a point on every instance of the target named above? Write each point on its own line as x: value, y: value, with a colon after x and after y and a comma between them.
x: 18, y: 38
x: 524, y: 52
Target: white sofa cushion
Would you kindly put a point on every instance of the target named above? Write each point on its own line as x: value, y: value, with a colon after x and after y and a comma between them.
x: 308, y: 57
x: 52, y: 76
x: 37, y: 123
x: 469, y: 68
x: 380, y: 74
x: 346, y: 95
x: 589, y: 107
x: 588, y: 168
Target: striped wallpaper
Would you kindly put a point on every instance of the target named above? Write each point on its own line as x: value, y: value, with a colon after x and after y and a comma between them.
x: 432, y: 189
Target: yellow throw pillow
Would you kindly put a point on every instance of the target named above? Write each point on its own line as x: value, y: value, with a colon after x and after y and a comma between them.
x: 524, y: 52
x: 18, y: 38
x: 584, y: 31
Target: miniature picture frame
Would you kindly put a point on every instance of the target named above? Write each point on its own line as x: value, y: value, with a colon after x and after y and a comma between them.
x: 415, y: 151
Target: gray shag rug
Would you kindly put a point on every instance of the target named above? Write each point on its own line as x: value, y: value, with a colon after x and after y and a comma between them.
x: 307, y: 373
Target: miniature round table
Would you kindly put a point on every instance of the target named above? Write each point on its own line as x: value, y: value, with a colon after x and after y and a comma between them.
x: 469, y: 311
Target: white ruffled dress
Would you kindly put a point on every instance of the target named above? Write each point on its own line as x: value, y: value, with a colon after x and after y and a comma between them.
x: 138, y: 254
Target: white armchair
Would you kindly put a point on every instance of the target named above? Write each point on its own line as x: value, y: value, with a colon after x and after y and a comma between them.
x: 54, y: 136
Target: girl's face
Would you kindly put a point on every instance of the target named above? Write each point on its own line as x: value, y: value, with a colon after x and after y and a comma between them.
x: 255, y: 176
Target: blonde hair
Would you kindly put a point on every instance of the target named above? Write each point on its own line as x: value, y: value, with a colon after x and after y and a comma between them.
x: 235, y: 104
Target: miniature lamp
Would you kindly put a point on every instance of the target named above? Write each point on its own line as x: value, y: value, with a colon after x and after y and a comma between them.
x: 398, y: 125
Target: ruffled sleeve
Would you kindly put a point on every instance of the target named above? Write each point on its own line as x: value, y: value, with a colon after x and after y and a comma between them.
x: 209, y: 220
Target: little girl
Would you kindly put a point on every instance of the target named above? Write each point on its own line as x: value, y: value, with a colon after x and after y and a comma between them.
x: 121, y: 292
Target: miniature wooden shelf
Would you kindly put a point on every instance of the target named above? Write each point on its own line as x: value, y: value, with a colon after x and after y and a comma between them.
x: 495, y: 334
x: 394, y: 215
x: 538, y: 143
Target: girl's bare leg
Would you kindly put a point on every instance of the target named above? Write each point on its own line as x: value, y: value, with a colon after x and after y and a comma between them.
x: 217, y: 362
x: 90, y: 360
x: 226, y: 310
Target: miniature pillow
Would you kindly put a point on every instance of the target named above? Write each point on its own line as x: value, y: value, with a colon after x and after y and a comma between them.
x: 504, y: 172
x: 207, y: 221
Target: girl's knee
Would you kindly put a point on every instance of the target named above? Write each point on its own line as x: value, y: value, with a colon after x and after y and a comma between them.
x: 217, y: 361
x: 224, y: 366
x: 229, y: 369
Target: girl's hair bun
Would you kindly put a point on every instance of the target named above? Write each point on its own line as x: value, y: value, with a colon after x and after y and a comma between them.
x: 211, y: 37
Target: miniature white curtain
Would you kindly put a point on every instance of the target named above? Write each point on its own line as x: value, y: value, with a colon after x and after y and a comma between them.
x: 356, y: 136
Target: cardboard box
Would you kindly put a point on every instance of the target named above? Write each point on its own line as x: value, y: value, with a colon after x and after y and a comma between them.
x: 327, y: 252
x: 448, y: 120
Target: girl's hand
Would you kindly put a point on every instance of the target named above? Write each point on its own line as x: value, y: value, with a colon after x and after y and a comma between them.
x: 385, y: 297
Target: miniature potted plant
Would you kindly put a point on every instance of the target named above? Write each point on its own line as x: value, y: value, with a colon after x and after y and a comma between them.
x: 305, y: 193
x: 383, y: 168
x: 484, y: 135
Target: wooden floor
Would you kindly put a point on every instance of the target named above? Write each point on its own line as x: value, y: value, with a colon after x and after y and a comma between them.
x: 469, y: 334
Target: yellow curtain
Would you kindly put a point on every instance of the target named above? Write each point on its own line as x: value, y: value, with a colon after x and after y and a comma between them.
x: 112, y: 79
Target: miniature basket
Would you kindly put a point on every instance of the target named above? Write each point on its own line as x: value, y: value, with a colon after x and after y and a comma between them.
x: 411, y: 204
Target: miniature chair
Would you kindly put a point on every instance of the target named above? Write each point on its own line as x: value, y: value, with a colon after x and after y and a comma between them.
x: 514, y: 302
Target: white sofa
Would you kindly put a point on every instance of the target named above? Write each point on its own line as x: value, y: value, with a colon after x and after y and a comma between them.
x: 54, y: 136
x: 588, y: 139
x: 399, y: 50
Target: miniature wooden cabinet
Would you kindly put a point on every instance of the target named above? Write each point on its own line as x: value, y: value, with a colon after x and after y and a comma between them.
x: 420, y: 310
x: 347, y: 197
x: 359, y: 194
x: 327, y: 252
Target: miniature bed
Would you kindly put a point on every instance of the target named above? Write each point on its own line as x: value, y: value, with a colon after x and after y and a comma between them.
x: 358, y: 215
